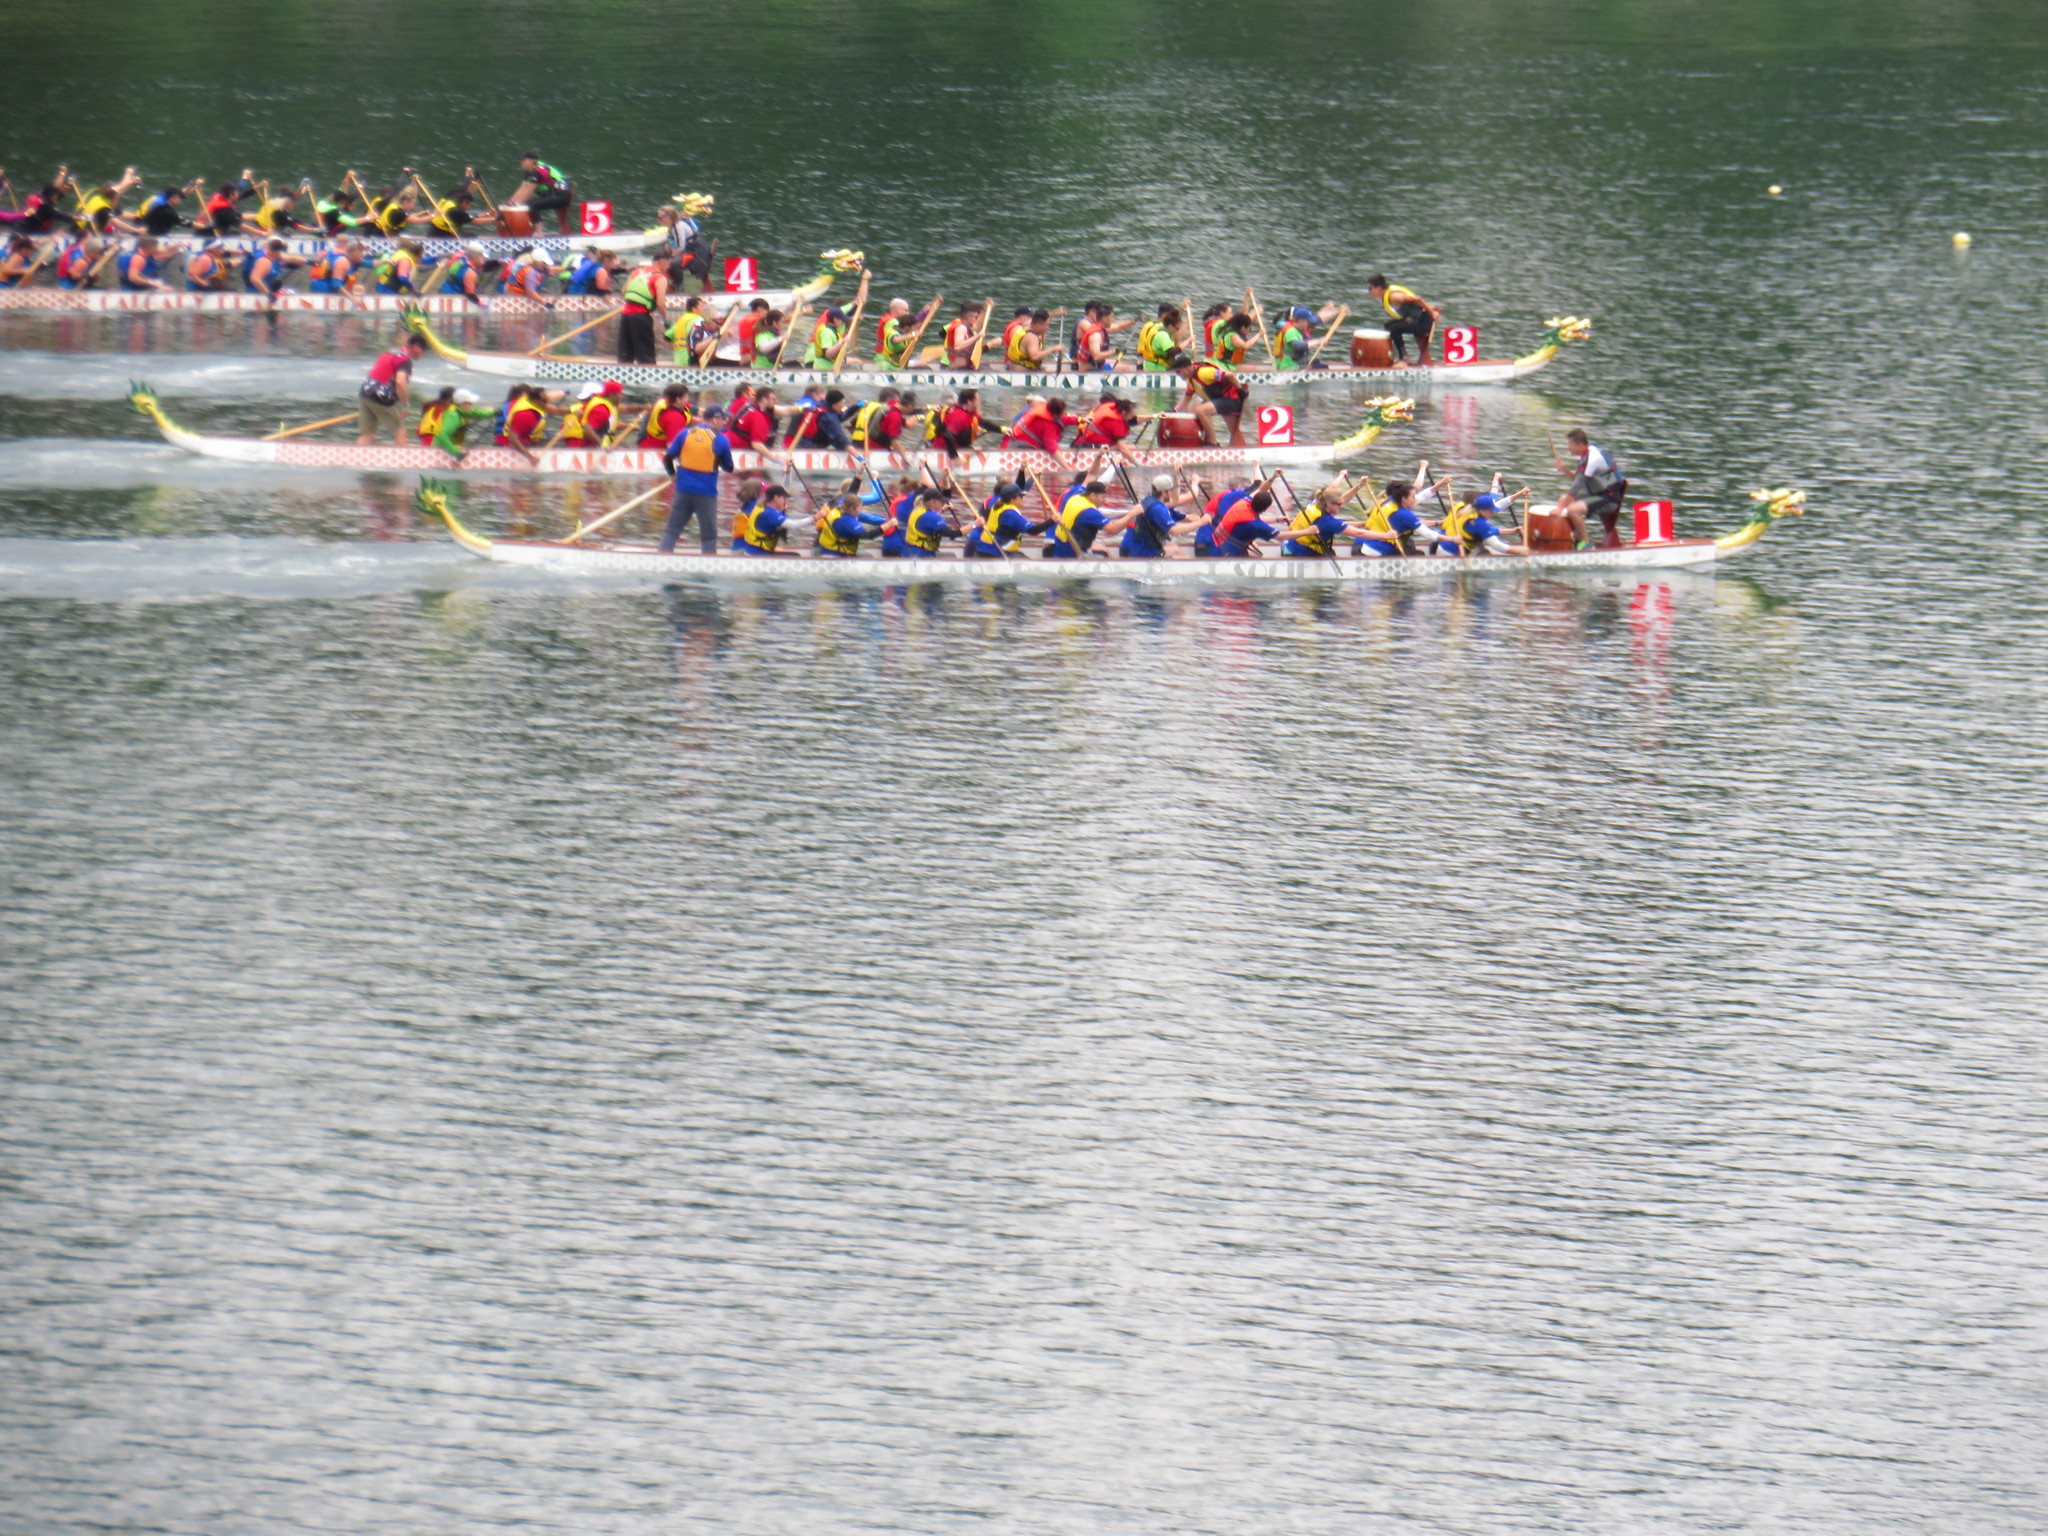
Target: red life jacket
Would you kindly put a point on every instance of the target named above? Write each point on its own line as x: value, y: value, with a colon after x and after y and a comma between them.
x: 1039, y: 427
x: 1105, y: 425
x: 72, y: 265
x: 1085, y: 334
x: 1021, y: 323
x: 1241, y: 512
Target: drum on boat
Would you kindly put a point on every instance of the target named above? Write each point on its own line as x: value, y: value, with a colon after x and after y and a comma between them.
x: 1179, y: 429
x: 1370, y: 348
x: 1549, y: 532
x: 515, y: 223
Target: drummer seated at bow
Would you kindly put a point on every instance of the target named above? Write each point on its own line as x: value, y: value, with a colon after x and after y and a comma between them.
x: 1040, y: 424
x: 842, y: 524
x: 1214, y: 391
x: 1408, y: 314
x: 1393, y: 526
x: 1080, y: 517
x: 1598, y: 487
x: 543, y: 189
x: 1317, y: 527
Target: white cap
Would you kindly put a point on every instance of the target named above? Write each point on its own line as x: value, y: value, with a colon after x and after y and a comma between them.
x: 473, y: 248
x: 1162, y: 482
x: 590, y: 392
x: 465, y: 397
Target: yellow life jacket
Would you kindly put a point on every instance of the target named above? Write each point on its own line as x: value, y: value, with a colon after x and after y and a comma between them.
x: 430, y: 418
x: 1303, y: 529
x: 1155, y: 344
x: 1376, y: 521
x: 857, y: 429
x: 1063, y: 524
x: 699, y: 451
x: 828, y: 539
x: 687, y: 334
x: 1014, y: 351
x: 925, y: 541
x: 892, y: 342
x: 1458, y: 520
x: 443, y: 221
x: 993, y: 516
x: 744, y: 530
x: 1396, y: 296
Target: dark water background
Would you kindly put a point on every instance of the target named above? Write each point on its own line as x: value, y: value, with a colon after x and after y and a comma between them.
x: 1557, y: 1056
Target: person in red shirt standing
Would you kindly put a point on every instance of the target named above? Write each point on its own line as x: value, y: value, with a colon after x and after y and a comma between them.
x: 381, y: 402
x: 1040, y: 425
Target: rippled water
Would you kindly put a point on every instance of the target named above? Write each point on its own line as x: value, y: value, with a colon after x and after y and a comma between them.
x: 485, y: 1051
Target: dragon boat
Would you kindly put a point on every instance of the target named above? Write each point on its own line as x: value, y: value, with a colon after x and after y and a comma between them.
x: 582, y: 370
x: 642, y: 463
x: 832, y: 265
x: 434, y: 247
x: 570, y: 557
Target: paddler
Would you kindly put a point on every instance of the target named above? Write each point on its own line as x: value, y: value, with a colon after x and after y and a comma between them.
x: 274, y: 213
x: 1109, y: 425
x: 1220, y: 506
x: 961, y: 334
x: 646, y: 297
x: 467, y: 279
x: 160, y: 214
x: 381, y: 401
x: 1159, y: 342
x: 1092, y: 350
x: 1297, y: 336
x: 667, y: 418
x: 1020, y: 322
x: 397, y: 270
x: 892, y: 334
x: 205, y: 272
x: 451, y: 430
x: 1408, y: 314
x: 526, y: 275
x: 224, y: 208
x: 825, y: 338
x: 337, y: 213
x: 766, y: 344
x: 431, y: 414
x: 271, y: 267
x: 750, y: 322
x: 1244, y: 526
x: 101, y: 207
x: 15, y: 265
x: 842, y: 525
x: 1394, y: 527
x: 543, y: 189
x: 524, y: 418
x: 1079, y: 519
x: 139, y: 269
x: 694, y: 336
x: 877, y: 424
x: 960, y: 425
x: 920, y: 520
x: 1598, y: 487
x: 1040, y: 424
x: 1317, y: 527
x: 1471, y: 528
x: 1027, y: 349
x: 1148, y: 529
x: 1003, y: 525
x: 822, y: 424
x: 694, y: 457
x: 762, y: 522
x: 334, y: 269
x: 594, y: 417
x: 753, y: 419
x: 1213, y: 391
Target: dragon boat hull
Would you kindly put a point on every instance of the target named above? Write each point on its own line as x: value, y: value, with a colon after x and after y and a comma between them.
x: 435, y: 247
x: 295, y: 302
x: 584, y: 370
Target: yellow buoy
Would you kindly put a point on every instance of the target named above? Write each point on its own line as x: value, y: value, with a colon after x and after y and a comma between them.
x: 1962, y: 239
x: 1775, y: 190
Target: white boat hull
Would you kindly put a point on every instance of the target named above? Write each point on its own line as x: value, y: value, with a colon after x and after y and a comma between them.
x: 99, y: 301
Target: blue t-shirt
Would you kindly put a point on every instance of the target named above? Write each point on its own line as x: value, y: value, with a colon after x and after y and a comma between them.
x: 1010, y: 523
x: 699, y: 482
x: 1401, y: 520
x: 1086, y: 524
x: 1246, y: 534
x: 853, y: 526
x: 929, y: 523
x: 767, y: 520
x: 1145, y: 539
x: 1329, y: 525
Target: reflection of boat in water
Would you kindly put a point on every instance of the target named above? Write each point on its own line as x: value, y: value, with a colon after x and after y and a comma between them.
x: 644, y: 560
x: 305, y: 453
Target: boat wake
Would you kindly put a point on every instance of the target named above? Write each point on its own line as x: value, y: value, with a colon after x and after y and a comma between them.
x: 105, y: 375
x: 264, y: 568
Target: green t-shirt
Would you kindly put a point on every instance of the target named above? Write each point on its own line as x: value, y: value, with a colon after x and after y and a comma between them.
x: 456, y: 422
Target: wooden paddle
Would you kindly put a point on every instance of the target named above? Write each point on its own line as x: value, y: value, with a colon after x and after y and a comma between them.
x: 1315, y: 351
x: 584, y: 530
x: 988, y: 313
x: 12, y: 201
x: 980, y: 518
x: 435, y: 278
x: 860, y: 304
x: 311, y: 426
x: 789, y: 329
x: 910, y: 351
x: 1258, y: 313
x: 551, y: 344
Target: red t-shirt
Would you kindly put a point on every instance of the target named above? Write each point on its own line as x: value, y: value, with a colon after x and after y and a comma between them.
x: 1040, y: 429
x: 663, y: 426
x: 1103, y: 428
x: 751, y: 428
x: 388, y: 367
